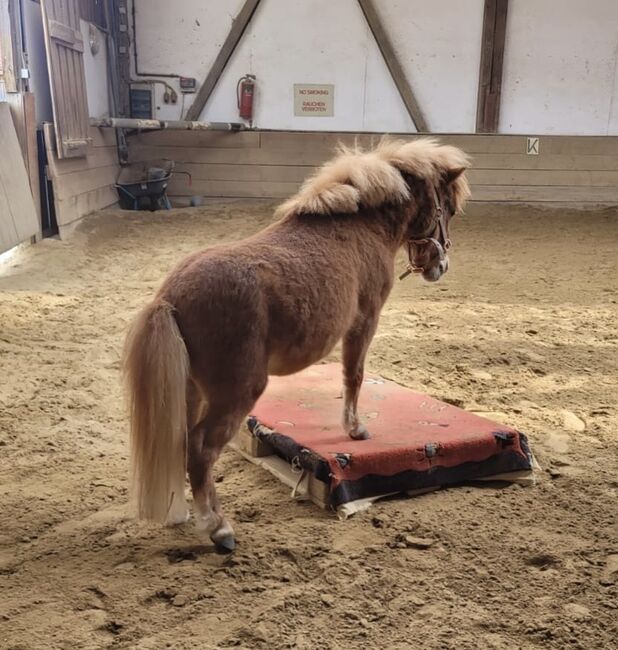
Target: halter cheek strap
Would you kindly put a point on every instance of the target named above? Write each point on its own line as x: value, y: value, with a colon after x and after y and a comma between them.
x: 442, y: 244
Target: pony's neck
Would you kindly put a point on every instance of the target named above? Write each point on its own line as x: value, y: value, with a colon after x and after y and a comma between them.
x: 393, y: 223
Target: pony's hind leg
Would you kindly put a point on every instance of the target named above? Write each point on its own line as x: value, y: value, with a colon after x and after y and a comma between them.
x: 206, y: 441
x: 222, y: 421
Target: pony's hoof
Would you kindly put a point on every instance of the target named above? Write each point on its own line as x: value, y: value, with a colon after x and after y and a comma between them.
x: 224, y: 544
x: 360, y: 433
x: 223, y: 538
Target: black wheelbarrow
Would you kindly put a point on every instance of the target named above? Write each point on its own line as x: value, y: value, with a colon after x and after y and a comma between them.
x: 143, y: 186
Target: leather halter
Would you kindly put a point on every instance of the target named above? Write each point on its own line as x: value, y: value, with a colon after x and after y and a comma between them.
x: 441, y: 242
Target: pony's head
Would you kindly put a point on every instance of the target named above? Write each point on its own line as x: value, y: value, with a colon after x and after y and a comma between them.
x: 422, y: 180
x: 435, y: 176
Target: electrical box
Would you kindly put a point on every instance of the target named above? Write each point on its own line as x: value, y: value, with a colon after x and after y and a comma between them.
x: 141, y: 103
x: 187, y: 84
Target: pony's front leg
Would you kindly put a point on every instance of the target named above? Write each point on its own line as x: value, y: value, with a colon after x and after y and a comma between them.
x: 355, y: 345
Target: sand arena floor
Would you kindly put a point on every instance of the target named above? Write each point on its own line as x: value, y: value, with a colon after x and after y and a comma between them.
x: 523, y: 326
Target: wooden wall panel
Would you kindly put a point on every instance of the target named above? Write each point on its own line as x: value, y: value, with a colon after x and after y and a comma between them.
x: 83, y: 185
x: 269, y: 164
x: 18, y: 217
x: 76, y: 207
x: 23, y: 111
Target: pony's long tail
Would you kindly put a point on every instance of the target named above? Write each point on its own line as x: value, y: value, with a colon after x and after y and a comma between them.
x: 156, y: 366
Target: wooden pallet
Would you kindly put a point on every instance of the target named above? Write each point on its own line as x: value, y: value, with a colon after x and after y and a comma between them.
x: 305, y: 486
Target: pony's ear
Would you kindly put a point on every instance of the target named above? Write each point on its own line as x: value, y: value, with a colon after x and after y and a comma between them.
x: 451, y: 175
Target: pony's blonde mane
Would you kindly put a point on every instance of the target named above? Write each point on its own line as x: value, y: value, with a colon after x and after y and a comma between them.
x: 356, y: 178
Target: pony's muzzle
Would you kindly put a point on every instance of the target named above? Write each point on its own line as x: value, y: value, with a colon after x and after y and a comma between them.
x: 436, y: 271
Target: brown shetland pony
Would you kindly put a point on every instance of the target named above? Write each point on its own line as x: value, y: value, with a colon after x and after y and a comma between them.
x: 199, y: 355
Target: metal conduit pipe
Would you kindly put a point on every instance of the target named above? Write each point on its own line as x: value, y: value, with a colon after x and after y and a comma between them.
x: 149, y: 125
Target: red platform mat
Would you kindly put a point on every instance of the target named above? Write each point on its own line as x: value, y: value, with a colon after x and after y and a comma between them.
x: 417, y: 441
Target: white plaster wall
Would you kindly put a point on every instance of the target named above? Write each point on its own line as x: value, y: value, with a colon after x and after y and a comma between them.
x: 181, y: 38
x: 95, y: 68
x: 560, y: 76
x: 439, y: 46
x: 560, y: 68
x: 321, y: 41
x: 37, y: 61
x: 316, y: 42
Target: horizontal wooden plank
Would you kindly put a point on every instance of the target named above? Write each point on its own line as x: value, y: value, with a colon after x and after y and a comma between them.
x: 316, y: 147
x: 472, y: 143
x: 270, y: 189
x: 543, y: 177
x: 230, y: 156
x: 68, y: 185
x: 275, y: 173
x: 96, y: 158
x: 545, y: 161
x: 75, y: 207
x: 327, y: 142
x: 236, y: 139
x: 227, y: 156
x: 299, y: 140
x: 288, y: 173
x: 232, y: 189
x: 546, y: 194
x: 584, y: 145
x: 320, y: 141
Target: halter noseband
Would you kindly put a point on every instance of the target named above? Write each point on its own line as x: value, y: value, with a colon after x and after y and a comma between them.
x: 442, y: 244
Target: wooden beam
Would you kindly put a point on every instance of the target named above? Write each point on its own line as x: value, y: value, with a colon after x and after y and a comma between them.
x: 9, y: 62
x: 394, y: 66
x: 24, y: 118
x: 492, y: 58
x: 239, y: 25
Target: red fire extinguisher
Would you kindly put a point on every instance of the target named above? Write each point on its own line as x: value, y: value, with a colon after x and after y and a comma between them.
x: 245, y: 90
